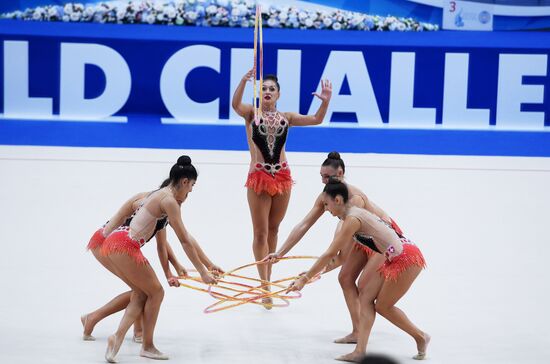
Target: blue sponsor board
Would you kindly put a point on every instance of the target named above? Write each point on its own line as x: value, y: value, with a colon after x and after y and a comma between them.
x: 472, y: 93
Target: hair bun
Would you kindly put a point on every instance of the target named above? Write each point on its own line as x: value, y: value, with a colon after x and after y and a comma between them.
x: 184, y: 160
x: 334, y: 155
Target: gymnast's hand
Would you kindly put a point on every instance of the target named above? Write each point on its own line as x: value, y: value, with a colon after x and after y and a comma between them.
x: 249, y: 75
x: 326, y: 91
x: 182, y: 272
x: 208, y: 278
x: 298, y: 284
x: 271, y: 258
x: 216, y: 270
x: 173, y: 282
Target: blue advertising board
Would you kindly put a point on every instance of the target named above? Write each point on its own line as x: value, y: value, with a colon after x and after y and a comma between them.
x: 170, y: 87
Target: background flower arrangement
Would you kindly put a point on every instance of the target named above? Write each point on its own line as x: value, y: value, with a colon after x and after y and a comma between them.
x: 225, y: 13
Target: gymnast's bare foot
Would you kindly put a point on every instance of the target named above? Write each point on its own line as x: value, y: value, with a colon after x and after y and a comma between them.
x: 113, y: 345
x: 353, y: 357
x: 153, y: 353
x: 422, y: 346
x: 88, y: 327
x: 138, y: 334
x: 349, y: 339
x: 268, y: 303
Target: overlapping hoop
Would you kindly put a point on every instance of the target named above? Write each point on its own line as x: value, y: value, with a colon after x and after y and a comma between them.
x: 258, y: 25
x: 249, y: 293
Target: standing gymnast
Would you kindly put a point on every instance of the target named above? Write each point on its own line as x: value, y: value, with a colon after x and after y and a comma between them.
x: 269, y: 181
x: 403, y: 263
x: 123, y: 249
x: 352, y: 264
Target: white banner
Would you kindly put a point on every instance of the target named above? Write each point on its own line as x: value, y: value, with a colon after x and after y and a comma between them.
x: 465, y: 15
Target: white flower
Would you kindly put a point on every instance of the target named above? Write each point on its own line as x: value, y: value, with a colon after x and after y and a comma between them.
x: 336, y: 26
x: 235, y: 12
x: 223, y: 3
x: 101, y: 11
x: 160, y: 17
x: 212, y: 9
x: 272, y: 22
x: 191, y: 2
x: 66, y: 18
x: 283, y: 16
x: 179, y: 20
x: 89, y: 11
x: 68, y: 9
x: 120, y: 14
x: 75, y: 16
x: 309, y: 22
x: 36, y: 15
x: 150, y: 19
x: 327, y: 21
x: 401, y: 27
x: 158, y: 7
x: 191, y: 15
x: 302, y: 15
x: 357, y: 19
x: 170, y: 12
x: 393, y: 26
x: 52, y: 11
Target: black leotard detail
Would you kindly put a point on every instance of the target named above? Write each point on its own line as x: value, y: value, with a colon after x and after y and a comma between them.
x: 367, y: 241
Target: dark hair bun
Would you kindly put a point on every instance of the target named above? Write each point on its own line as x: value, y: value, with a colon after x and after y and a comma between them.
x: 184, y: 160
x: 271, y: 77
x: 334, y: 155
